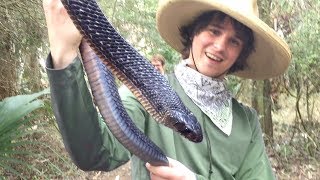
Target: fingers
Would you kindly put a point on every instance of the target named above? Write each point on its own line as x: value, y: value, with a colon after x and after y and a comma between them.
x: 55, y: 13
x: 175, y: 171
x: 160, y: 171
x: 64, y: 37
x: 155, y: 177
x: 51, y: 6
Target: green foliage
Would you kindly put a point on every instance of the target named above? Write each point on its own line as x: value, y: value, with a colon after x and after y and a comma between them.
x: 14, y: 126
x: 300, y: 22
x: 136, y: 22
x: 304, y: 39
x: 234, y: 84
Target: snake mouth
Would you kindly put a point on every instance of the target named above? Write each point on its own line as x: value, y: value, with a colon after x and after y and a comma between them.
x: 191, y: 133
x: 186, y: 125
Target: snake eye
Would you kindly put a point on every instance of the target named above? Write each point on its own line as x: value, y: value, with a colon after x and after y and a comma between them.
x: 181, y: 128
x: 185, y: 131
x: 188, y: 133
x: 186, y: 125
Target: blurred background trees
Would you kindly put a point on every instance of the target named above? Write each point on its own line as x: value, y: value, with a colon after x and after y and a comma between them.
x: 22, y: 39
x: 288, y: 105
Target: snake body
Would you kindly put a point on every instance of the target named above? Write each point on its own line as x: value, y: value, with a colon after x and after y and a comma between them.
x: 113, y: 55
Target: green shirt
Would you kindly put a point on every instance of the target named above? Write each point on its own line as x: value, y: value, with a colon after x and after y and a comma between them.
x: 92, y: 146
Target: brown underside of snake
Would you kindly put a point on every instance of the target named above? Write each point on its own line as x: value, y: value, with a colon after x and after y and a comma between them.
x: 106, y: 54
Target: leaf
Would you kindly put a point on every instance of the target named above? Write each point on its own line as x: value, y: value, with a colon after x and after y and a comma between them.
x: 20, y: 105
x: 13, y: 127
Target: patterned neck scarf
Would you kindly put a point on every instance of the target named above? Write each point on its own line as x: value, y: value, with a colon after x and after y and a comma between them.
x: 209, y: 94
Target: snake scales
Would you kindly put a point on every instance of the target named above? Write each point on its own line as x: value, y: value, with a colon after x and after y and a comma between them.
x: 107, y: 54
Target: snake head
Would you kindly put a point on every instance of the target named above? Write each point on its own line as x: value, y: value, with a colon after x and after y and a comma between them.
x: 185, y: 124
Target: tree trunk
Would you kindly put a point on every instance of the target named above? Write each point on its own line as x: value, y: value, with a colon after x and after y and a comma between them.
x: 261, y: 99
x: 8, y: 75
x: 267, y: 120
x: 261, y: 102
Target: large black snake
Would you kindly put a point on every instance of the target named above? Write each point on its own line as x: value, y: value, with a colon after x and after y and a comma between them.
x: 119, y: 58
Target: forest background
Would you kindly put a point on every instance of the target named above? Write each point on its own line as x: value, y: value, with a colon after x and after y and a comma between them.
x: 289, y: 105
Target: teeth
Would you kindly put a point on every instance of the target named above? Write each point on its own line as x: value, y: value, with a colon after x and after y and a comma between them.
x: 211, y: 56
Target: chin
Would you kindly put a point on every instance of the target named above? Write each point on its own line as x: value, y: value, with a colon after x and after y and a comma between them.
x: 207, y: 74
x: 216, y: 76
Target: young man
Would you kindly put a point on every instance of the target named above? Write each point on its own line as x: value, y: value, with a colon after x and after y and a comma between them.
x: 216, y: 38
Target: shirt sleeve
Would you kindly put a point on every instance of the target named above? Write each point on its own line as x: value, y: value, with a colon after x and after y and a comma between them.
x: 85, y: 135
x: 256, y: 164
x: 199, y: 177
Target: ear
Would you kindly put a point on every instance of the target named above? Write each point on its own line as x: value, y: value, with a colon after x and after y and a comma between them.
x: 191, y: 38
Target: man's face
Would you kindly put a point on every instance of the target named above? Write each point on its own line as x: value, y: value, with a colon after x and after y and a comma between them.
x: 157, y: 64
x: 215, y: 49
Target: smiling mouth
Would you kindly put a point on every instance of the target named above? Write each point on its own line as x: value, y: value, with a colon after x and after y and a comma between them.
x: 213, y: 57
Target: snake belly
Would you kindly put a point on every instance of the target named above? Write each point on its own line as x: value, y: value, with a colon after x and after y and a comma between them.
x: 150, y: 88
x: 106, y: 95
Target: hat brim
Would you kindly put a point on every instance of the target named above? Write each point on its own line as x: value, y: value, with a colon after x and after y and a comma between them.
x: 271, y: 57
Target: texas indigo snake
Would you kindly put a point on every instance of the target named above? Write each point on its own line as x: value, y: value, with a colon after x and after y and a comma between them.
x: 120, y: 59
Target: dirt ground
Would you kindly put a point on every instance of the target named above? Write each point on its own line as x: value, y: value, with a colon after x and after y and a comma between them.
x: 122, y: 173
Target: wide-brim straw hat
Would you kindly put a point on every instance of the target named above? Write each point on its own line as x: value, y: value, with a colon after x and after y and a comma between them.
x: 272, y: 55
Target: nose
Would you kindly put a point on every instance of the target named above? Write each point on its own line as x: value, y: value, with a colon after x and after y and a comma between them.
x: 219, y: 43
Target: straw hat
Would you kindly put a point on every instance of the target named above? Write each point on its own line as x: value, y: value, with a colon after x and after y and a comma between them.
x: 271, y: 56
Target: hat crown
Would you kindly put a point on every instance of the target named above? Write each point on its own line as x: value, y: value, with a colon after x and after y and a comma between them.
x: 243, y: 6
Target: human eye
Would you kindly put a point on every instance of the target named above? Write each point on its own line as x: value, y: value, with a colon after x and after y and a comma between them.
x: 215, y: 31
x: 235, y: 42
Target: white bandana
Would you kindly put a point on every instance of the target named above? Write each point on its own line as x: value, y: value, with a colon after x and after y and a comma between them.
x: 209, y: 94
